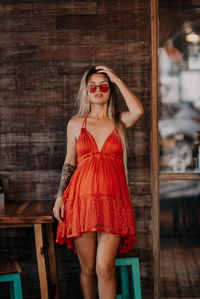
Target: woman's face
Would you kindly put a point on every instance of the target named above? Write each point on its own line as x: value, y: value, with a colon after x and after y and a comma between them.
x: 98, y: 89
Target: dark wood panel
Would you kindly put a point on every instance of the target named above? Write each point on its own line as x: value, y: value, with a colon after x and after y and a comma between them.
x: 13, y: 9
x: 146, y: 270
x: 42, y: 82
x: 135, y: 51
x: 65, y: 8
x: 27, y: 24
x: 141, y: 171
x: 113, y: 6
x: 65, y: 52
x: 141, y: 201
x: 25, y: 52
x: 142, y: 213
x: 36, y: 125
x: 21, y: 1
x: 143, y: 241
x: 73, y: 68
x: 7, y: 83
x: 128, y: 35
x: 143, y: 227
x: 138, y: 188
x: 42, y: 176
x: 131, y: 51
x: 103, y: 21
x: 146, y: 285
x: 24, y: 113
x: 66, y: 37
x: 10, y: 68
x: 30, y: 97
x: 89, y: 7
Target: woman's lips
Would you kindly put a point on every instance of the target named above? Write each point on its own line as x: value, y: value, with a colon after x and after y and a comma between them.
x: 98, y: 95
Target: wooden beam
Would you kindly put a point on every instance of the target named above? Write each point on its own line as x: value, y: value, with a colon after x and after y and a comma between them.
x: 179, y: 176
x: 52, y: 259
x: 155, y: 152
x: 41, y: 261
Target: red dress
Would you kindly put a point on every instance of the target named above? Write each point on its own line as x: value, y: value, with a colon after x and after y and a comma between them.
x: 97, y: 197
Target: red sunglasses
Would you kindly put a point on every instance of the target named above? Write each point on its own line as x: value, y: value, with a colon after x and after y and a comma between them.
x: 103, y: 88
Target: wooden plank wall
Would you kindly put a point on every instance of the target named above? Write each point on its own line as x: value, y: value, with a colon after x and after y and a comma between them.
x: 45, y: 46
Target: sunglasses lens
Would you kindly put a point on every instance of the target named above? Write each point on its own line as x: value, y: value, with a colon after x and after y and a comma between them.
x: 104, y: 88
x: 92, y: 89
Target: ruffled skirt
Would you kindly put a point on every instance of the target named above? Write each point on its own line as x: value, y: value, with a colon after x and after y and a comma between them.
x: 101, y: 204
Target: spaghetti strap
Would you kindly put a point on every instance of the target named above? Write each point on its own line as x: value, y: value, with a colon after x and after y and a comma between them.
x: 84, y: 122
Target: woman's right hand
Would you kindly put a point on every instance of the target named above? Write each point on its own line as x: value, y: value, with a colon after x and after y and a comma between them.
x: 58, y: 209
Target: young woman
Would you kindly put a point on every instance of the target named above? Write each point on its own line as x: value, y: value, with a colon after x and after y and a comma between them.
x: 93, y: 204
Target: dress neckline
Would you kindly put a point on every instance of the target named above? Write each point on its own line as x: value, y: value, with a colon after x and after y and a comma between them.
x: 93, y: 139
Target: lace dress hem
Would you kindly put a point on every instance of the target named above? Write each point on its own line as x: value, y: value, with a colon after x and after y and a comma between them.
x: 128, y: 239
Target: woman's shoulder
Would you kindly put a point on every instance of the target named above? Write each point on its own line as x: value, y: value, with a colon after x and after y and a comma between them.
x: 76, y: 121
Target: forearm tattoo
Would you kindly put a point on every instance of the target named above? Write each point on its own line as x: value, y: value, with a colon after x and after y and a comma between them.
x: 66, y: 175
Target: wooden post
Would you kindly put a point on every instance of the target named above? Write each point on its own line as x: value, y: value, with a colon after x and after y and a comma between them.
x: 52, y: 258
x: 41, y: 261
x: 155, y: 151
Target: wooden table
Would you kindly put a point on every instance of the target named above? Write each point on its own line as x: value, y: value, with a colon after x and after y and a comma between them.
x: 37, y: 214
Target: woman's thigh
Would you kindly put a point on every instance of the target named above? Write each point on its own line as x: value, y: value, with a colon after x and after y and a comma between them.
x: 107, y: 247
x: 86, y: 246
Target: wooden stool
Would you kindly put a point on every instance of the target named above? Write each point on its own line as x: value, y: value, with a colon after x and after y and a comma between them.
x: 133, y: 261
x: 10, y: 272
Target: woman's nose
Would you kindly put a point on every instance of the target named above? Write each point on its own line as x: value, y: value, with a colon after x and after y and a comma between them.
x: 98, y: 86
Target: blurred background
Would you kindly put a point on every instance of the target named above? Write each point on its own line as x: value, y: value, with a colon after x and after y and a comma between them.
x: 179, y: 140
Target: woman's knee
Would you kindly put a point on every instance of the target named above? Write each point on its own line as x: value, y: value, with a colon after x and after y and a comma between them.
x: 105, y: 271
x: 88, y: 270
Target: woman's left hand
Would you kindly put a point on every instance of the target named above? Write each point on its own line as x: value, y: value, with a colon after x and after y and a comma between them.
x: 111, y: 74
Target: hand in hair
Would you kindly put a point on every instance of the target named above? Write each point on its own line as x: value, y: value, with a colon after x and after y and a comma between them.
x: 135, y: 108
x: 111, y: 74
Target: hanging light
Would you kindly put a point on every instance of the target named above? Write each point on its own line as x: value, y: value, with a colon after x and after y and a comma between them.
x: 192, y: 38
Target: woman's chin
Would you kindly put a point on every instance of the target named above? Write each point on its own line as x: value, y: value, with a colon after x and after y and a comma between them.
x: 100, y: 103
x: 98, y: 100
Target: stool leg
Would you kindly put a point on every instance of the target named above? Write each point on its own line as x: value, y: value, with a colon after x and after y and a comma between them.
x: 136, y: 279
x: 11, y: 284
x: 125, y: 282
x: 17, y: 286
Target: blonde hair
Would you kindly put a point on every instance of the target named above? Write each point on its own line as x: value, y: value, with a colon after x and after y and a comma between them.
x: 84, y: 108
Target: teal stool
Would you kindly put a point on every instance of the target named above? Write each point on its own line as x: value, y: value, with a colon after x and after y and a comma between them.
x: 124, y: 262
x: 10, y: 272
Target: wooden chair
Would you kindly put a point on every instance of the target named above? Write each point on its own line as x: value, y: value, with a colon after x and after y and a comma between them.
x: 10, y: 272
x: 123, y: 261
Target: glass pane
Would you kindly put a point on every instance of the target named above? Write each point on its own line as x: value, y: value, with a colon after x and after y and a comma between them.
x: 179, y: 239
x: 179, y: 98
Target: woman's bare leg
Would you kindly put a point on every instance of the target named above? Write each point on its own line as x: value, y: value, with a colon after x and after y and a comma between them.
x: 86, y: 246
x: 105, y: 264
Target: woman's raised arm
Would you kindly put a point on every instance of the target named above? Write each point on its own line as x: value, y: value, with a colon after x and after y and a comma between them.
x: 135, y: 108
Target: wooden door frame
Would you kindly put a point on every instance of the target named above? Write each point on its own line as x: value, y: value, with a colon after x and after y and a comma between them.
x: 155, y: 148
